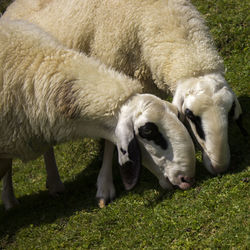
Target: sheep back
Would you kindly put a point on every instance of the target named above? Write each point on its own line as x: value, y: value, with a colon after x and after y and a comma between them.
x: 155, y: 41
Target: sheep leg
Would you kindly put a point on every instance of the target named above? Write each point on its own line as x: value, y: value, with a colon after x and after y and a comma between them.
x: 105, y: 187
x: 53, y: 182
x: 8, y: 197
x: 5, y: 165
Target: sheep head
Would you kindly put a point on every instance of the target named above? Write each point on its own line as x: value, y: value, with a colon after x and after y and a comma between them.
x: 205, y: 104
x: 149, y: 129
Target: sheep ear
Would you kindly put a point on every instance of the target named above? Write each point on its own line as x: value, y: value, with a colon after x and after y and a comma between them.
x: 236, y: 110
x: 174, y: 109
x: 128, y: 153
x: 236, y: 113
x: 178, y: 101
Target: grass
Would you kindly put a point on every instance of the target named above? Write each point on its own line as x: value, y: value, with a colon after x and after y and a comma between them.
x: 214, y: 214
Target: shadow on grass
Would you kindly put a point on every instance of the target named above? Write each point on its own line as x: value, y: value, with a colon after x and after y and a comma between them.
x: 41, y: 208
x: 239, y: 145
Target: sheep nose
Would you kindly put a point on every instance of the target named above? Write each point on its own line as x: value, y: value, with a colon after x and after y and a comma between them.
x: 185, y: 182
x: 187, y: 179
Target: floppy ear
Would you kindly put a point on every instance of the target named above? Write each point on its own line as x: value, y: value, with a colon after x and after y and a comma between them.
x: 236, y: 113
x: 128, y: 152
x: 178, y: 101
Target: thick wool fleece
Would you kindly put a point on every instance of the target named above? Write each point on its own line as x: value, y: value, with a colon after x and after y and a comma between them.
x: 160, y: 40
x: 47, y: 90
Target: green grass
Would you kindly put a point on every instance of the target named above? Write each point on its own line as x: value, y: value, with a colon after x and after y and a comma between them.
x: 3, y: 5
x: 214, y: 214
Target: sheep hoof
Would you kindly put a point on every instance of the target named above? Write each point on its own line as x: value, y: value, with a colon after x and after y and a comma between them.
x: 105, y: 193
x: 102, y: 202
x: 55, y: 189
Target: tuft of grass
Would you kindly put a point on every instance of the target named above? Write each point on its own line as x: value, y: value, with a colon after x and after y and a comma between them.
x: 213, y: 214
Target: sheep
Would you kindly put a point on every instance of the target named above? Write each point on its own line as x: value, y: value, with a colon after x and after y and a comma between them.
x: 163, y: 43
x: 51, y: 94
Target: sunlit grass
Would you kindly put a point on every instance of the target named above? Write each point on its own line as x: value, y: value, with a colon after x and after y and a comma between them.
x: 213, y: 214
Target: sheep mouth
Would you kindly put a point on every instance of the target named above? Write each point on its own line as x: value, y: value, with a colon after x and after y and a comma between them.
x: 186, y: 183
x: 185, y: 186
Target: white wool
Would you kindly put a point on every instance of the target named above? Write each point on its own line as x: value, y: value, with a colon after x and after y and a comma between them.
x: 163, y: 40
x: 46, y: 90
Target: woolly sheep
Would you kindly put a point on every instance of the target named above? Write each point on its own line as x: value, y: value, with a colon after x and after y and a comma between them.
x: 163, y: 43
x: 51, y: 94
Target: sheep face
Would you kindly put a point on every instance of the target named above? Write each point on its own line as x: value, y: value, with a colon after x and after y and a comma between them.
x: 151, y: 127
x: 206, y: 103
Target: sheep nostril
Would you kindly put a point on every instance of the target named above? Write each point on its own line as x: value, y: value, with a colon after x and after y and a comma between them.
x: 187, y: 179
x: 183, y: 179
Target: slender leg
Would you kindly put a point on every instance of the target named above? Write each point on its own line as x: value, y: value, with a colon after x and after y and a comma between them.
x: 53, y: 183
x: 8, y: 197
x: 105, y: 187
x: 5, y: 165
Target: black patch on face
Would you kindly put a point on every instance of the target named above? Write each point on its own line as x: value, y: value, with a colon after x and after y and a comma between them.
x: 151, y: 132
x: 191, y: 133
x: 130, y: 171
x: 123, y: 151
x: 196, y: 120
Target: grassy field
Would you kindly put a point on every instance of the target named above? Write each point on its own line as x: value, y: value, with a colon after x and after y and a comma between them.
x: 213, y: 214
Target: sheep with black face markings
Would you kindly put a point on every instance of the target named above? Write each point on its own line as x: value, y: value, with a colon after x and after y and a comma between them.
x: 51, y: 94
x: 163, y: 43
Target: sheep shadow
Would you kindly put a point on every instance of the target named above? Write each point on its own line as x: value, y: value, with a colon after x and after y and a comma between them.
x: 239, y: 145
x: 40, y: 208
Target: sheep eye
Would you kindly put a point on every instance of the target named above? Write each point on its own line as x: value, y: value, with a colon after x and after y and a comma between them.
x: 189, y: 114
x: 146, y: 131
x: 151, y: 132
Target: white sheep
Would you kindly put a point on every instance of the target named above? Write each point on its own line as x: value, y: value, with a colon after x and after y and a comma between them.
x: 163, y: 43
x: 51, y: 94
